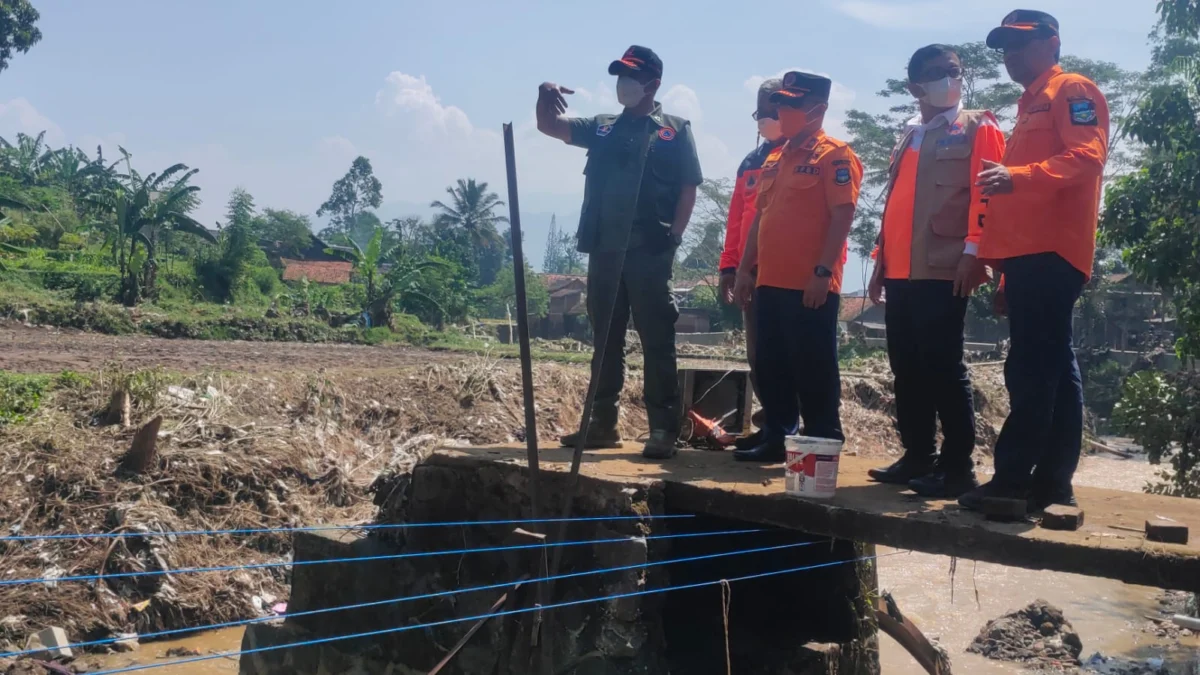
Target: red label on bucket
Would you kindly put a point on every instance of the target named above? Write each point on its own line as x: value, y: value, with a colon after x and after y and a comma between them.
x: 815, y: 473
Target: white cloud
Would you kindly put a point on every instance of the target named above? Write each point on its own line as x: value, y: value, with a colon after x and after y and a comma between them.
x: 841, y: 98
x: 404, y: 93
x: 897, y: 15
x: 19, y: 116
x: 337, y: 146
x: 682, y: 100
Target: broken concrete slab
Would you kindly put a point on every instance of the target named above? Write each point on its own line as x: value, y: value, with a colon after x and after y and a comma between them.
x: 1065, y: 518
x: 706, y: 482
x: 1167, y: 533
x: 49, y: 643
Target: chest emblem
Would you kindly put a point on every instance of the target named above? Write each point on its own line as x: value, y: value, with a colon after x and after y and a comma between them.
x: 666, y: 134
x: 751, y: 181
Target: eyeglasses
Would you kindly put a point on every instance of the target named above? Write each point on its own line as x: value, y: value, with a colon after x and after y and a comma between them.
x: 760, y: 115
x: 934, y: 74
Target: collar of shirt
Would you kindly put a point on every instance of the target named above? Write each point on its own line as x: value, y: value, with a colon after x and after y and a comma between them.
x: 808, y: 145
x: 917, y: 128
x: 656, y: 115
x: 1038, y: 86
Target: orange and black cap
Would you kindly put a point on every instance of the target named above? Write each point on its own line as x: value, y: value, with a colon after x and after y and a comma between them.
x: 799, y: 88
x: 1021, y: 26
x: 637, y: 60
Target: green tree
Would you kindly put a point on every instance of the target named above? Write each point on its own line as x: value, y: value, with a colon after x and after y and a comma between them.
x: 352, y: 194
x: 472, y: 208
x: 24, y: 158
x: 706, y: 233
x: 139, y: 208
x: 290, y: 232
x: 1153, y: 215
x: 18, y: 32
x: 500, y: 298
x: 562, y: 253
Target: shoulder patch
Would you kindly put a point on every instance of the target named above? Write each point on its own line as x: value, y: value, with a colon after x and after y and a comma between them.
x: 1083, y: 112
x: 604, y: 130
x: 841, y: 176
x: 666, y: 134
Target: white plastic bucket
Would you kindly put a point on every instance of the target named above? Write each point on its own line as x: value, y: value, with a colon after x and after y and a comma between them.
x: 812, y: 466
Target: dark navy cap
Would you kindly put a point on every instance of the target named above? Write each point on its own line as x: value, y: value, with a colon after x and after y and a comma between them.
x: 1023, y: 25
x: 801, y: 88
x: 637, y: 59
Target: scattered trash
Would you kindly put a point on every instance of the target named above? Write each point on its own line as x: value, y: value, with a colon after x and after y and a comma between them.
x: 1039, y: 635
x: 125, y: 642
x: 179, y: 652
x: 49, y: 643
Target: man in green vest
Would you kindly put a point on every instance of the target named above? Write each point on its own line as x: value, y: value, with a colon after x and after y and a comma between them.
x: 642, y: 172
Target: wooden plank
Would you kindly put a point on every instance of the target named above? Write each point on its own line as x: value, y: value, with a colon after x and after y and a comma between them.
x: 706, y: 482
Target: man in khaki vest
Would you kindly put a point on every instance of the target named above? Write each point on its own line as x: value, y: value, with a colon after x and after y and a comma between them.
x: 926, y: 264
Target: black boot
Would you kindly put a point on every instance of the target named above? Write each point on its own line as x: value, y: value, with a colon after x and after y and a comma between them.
x: 750, y: 442
x: 974, y: 499
x: 598, y: 437
x: 770, y: 451
x: 944, y: 485
x: 902, y: 471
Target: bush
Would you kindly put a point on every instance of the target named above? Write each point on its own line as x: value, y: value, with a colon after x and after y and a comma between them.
x: 20, y: 396
x: 267, y: 280
x: 1161, y: 412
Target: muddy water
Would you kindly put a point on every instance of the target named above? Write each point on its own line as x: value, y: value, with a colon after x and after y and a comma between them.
x: 1107, y: 614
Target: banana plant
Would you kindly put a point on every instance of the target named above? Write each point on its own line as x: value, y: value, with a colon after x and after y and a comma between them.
x: 141, y: 208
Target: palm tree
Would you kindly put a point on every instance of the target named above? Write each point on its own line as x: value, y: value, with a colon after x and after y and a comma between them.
x: 141, y: 208
x: 472, y: 210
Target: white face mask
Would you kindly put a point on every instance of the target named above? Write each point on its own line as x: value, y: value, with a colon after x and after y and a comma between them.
x: 770, y: 129
x: 630, y: 92
x: 943, y: 93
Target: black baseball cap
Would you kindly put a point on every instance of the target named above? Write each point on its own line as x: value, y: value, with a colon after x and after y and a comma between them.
x: 1022, y: 25
x: 637, y: 59
x: 799, y: 88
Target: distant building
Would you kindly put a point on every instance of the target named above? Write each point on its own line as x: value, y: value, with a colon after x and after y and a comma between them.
x: 317, y: 271
x: 860, y: 317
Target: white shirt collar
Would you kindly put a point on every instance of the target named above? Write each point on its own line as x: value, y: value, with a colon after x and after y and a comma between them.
x: 947, y: 118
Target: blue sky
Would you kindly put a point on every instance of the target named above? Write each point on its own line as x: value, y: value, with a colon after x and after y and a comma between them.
x: 278, y: 96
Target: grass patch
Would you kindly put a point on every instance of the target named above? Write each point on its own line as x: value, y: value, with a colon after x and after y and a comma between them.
x: 21, y: 395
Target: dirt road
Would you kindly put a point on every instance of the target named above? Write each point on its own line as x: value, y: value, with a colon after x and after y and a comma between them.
x: 46, y: 350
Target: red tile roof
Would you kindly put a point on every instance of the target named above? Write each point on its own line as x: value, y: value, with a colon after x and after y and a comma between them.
x: 557, y: 282
x: 321, y: 272
x: 854, y: 306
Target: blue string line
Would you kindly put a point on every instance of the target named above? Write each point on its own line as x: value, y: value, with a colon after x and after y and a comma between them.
x: 396, y: 556
x: 411, y: 598
x: 524, y: 610
x: 325, y: 528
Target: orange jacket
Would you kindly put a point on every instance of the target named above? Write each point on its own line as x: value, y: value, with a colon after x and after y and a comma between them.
x: 744, y: 205
x: 1056, y: 156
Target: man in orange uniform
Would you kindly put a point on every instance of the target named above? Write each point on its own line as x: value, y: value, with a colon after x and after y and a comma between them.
x: 806, y: 202
x: 742, y: 209
x: 1044, y: 200
x: 927, y: 262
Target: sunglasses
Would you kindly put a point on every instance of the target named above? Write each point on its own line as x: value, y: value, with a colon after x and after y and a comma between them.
x: 760, y: 115
x: 932, y: 75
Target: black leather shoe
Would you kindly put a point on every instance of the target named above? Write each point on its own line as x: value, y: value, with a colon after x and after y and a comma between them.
x: 942, y: 485
x: 598, y: 437
x: 750, y: 442
x: 769, y: 451
x: 973, y: 500
x: 902, y: 471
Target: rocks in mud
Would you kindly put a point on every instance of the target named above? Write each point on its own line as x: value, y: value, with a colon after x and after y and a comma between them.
x: 1037, y: 635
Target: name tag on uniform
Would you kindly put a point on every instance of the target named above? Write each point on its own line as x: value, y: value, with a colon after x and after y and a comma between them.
x: 953, y: 140
x: 1083, y: 112
x: 808, y: 170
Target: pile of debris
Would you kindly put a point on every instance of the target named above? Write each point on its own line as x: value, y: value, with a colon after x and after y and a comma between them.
x: 1038, y: 636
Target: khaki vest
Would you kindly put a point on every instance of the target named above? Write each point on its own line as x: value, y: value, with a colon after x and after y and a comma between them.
x: 942, y: 203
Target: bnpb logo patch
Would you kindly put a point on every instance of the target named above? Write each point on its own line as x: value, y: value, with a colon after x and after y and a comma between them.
x: 666, y: 134
x: 842, y: 176
x: 604, y: 130
x: 1083, y: 113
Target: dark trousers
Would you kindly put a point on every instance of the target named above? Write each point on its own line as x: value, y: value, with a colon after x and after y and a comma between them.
x: 642, y: 288
x: 925, y: 325
x: 1045, y: 428
x: 797, y: 364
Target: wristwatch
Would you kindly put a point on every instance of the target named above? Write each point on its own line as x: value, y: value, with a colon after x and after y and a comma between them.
x: 822, y: 272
